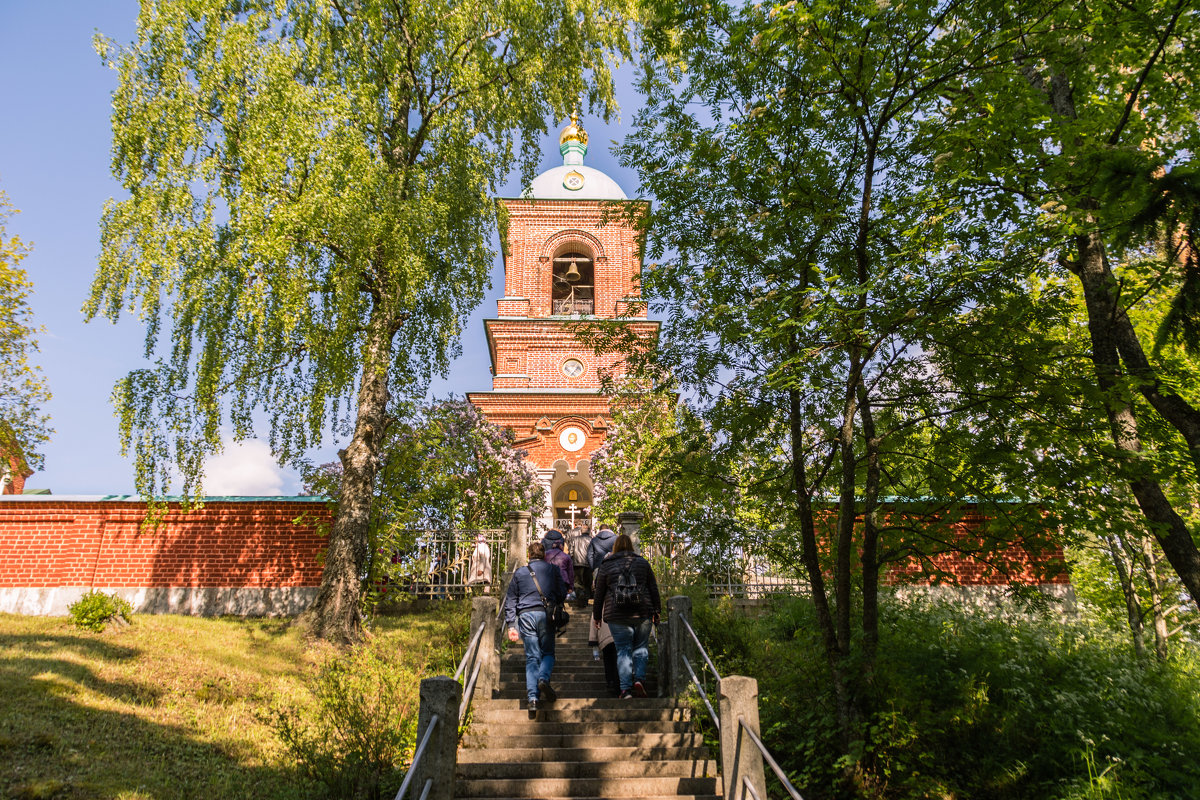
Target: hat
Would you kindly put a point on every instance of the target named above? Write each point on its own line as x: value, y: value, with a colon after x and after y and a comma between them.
x: 553, y: 538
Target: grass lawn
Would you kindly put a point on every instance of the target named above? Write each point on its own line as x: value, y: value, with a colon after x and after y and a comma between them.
x: 170, y: 707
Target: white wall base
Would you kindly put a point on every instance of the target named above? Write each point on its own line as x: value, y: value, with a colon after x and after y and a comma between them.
x: 203, y: 601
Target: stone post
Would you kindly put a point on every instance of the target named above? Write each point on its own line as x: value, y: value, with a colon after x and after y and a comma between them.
x: 483, y: 611
x: 441, y: 696
x: 518, y: 539
x: 740, y: 757
x: 630, y: 522
x: 678, y: 644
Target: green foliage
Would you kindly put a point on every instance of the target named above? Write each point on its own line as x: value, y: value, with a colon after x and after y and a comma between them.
x: 308, y: 195
x: 308, y: 220
x: 1003, y: 705
x: 95, y: 609
x: 354, y: 730
x: 23, y: 392
x: 443, y: 466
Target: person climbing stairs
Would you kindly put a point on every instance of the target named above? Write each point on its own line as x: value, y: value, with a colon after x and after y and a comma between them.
x: 584, y: 744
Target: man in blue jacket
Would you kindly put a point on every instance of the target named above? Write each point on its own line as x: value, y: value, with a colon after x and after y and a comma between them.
x: 527, y: 620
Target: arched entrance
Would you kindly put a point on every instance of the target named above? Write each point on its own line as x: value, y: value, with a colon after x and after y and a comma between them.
x: 572, y: 504
x: 568, y: 495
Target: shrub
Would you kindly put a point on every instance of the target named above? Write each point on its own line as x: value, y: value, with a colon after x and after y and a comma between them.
x: 352, y: 728
x: 95, y: 610
x: 971, y: 705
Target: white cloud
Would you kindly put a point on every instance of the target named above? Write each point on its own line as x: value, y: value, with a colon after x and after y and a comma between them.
x: 244, y: 469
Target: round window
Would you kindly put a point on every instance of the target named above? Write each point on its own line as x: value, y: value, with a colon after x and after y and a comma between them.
x: 572, y: 368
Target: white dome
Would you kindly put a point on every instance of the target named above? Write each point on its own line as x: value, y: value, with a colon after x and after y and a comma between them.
x: 553, y: 185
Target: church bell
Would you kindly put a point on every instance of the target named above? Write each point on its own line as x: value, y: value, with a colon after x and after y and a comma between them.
x: 573, y: 272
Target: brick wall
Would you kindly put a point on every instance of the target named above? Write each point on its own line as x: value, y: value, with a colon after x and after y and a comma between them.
x: 235, y: 555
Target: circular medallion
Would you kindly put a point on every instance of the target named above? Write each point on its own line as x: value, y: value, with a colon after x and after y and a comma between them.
x: 572, y: 368
x: 573, y: 180
x: 572, y: 439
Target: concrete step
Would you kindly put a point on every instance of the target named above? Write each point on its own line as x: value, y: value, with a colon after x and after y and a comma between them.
x: 584, y: 787
x: 667, y: 797
x: 631, y: 753
x: 589, y: 703
x: 574, y: 740
x: 684, y: 768
x: 631, y: 711
x: 542, y: 726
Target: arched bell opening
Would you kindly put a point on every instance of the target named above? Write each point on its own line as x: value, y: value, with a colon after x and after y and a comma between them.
x: 573, y: 282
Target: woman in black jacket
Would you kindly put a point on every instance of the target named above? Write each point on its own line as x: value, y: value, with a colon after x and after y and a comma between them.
x: 627, y: 599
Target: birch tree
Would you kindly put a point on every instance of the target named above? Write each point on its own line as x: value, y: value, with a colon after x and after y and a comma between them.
x: 307, y: 219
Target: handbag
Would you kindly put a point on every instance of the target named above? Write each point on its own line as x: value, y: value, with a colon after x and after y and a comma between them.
x: 557, y: 615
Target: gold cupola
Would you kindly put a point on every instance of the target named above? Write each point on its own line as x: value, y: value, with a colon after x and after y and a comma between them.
x: 573, y: 132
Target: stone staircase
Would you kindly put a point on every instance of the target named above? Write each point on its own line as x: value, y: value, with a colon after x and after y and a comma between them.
x: 588, y: 744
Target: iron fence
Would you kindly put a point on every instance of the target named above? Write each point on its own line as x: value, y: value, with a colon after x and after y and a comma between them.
x: 739, y: 571
x: 447, y: 564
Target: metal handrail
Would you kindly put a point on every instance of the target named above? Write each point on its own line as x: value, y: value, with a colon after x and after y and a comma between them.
x: 470, y: 657
x: 471, y: 648
x: 762, y: 748
x: 468, y: 692
x: 700, y: 688
x: 412, y: 768
x: 700, y: 647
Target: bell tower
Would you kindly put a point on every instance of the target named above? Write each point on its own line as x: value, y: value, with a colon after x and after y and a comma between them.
x: 570, y: 254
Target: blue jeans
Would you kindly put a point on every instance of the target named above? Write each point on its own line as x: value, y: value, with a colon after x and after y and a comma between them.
x: 539, y: 649
x: 633, y: 651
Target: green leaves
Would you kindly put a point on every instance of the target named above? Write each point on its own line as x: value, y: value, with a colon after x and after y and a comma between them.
x: 23, y: 391
x: 300, y: 172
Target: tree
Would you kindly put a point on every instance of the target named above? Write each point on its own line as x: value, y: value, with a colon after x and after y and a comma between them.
x: 444, y: 466
x: 23, y: 390
x: 812, y: 284
x: 308, y: 216
x: 1079, y: 138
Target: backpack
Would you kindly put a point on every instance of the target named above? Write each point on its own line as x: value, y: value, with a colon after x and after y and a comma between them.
x: 627, y: 592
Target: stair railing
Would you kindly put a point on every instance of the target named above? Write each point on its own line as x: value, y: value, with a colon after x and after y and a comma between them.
x: 741, y: 767
x: 445, y: 703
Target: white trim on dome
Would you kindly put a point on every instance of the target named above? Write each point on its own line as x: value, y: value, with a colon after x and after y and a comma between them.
x: 596, y: 185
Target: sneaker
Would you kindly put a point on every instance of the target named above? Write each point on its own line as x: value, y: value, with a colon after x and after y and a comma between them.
x: 546, y: 691
x: 533, y: 706
x: 638, y: 689
x: 626, y: 695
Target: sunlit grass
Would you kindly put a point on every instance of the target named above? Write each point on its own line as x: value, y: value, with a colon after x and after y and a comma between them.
x: 170, y: 707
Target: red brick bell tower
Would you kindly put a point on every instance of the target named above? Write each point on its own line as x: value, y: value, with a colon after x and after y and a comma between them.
x: 563, y: 262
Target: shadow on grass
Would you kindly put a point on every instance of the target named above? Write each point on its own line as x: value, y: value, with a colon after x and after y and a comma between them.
x: 55, y: 742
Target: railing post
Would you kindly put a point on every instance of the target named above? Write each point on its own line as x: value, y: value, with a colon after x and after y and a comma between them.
x: 740, y: 758
x: 630, y: 522
x: 483, y: 611
x: 518, y: 538
x: 679, y: 610
x: 440, y: 695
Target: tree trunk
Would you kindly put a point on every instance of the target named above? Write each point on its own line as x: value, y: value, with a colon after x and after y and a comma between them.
x: 335, y: 614
x: 1168, y: 527
x: 870, y: 544
x: 1157, y: 608
x: 811, y: 557
x: 1133, y: 609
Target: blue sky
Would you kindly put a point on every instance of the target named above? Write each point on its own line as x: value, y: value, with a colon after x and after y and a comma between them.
x: 55, y: 166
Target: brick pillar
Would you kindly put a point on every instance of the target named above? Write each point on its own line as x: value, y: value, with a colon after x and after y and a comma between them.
x: 440, y: 696
x: 630, y: 522
x: 740, y: 757
x: 483, y: 612
x: 678, y: 644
